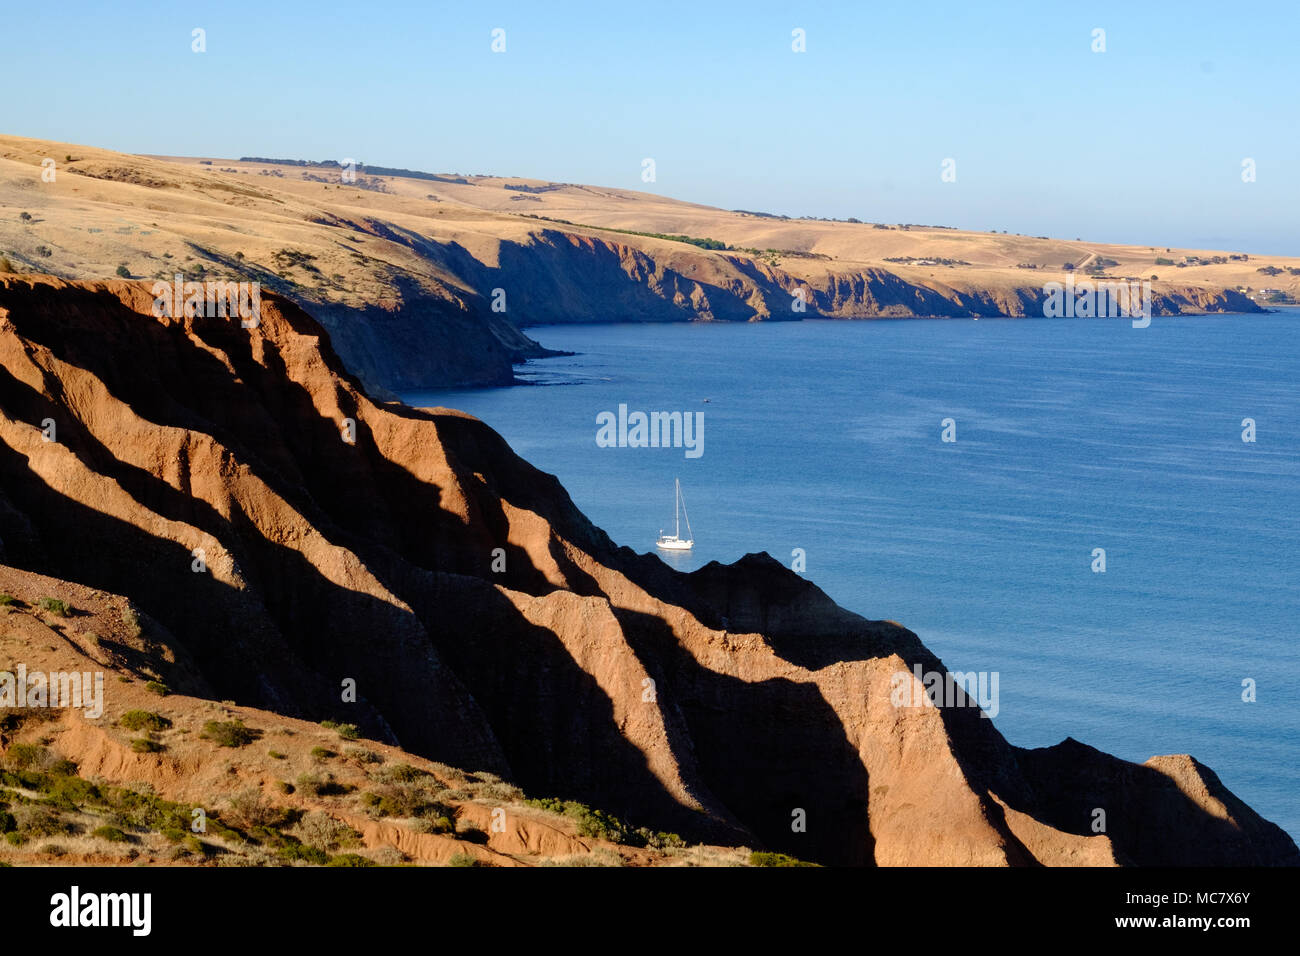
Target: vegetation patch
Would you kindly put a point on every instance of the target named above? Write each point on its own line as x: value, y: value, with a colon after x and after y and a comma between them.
x: 55, y: 606
x: 229, y: 733
x: 144, y: 720
x: 759, y: 858
x: 346, y: 731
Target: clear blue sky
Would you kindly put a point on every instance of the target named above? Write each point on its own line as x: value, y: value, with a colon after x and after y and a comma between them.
x: 1142, y: 143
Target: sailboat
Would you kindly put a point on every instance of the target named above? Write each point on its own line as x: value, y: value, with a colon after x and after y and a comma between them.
x: 675, y: 541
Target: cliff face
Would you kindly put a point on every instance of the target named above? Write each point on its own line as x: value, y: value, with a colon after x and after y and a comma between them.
x: 451, y: 335
x: 427, y: 284
x: 724, y: 704
x: 558, y: 277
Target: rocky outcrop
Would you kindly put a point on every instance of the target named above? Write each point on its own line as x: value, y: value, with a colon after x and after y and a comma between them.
x: 343, y: 539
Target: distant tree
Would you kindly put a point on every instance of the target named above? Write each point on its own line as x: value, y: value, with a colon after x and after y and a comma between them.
x: 123, y: 271
x: 25, y: 216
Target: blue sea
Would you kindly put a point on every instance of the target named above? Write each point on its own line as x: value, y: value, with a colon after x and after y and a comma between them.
x: 1071, y: 435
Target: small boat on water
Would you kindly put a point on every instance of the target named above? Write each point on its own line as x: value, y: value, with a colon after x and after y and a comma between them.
x: 675, y: 541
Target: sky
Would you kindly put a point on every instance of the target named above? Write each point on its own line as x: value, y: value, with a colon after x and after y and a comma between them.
x: 1143, y: 142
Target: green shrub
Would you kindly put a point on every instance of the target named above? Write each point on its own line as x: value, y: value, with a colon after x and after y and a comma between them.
x: 143, y: 745
x: 293, y: 850
x: 132, y: 622
x: 197, y: 846
x: 346, y: 731
x: 658, y: 840
x: 435, y: 824
x: 350, y: 859
x: 325, y: 786
x: 250, y: 810
x: 230, y: 733
x: 275, y: 755
x: 6, y: 599
x: 26, y: 757
x: 320, y: 753
x: 402, y: 773
x: 7, y: 822
x: 123, y: 271
x: 156, y: 687
x: 14, y: 838
x: 591, y: 823
x: 464, y: 859
x: 403, y: 802
x: 758, y: 858
x: 144, y: 720
x: 36, y: 820
x: 111, y: 834
x: 55, y: 606
x: 322, y: 831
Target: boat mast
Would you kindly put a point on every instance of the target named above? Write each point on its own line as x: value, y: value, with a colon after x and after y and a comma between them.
x: 689, y: 532
x: 677, y: 508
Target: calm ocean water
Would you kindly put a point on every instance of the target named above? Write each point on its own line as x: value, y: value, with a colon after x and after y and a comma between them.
x: 1071, y: 435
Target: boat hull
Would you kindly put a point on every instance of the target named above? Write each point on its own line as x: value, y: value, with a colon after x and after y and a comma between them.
x: 674, y: 544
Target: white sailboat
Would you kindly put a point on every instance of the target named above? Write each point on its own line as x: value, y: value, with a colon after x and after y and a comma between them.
x: 675, y: 541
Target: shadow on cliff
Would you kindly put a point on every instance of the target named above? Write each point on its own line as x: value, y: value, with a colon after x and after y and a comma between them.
x: 261, y: 643
x: 766, y: 749
x: 1149, y: 819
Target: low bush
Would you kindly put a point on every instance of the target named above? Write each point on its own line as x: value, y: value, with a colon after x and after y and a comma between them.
x: 229, y: 733
x: 346, y: 731
x: 144, y: 720
x: 55, y: 606
x: 759, y: 858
